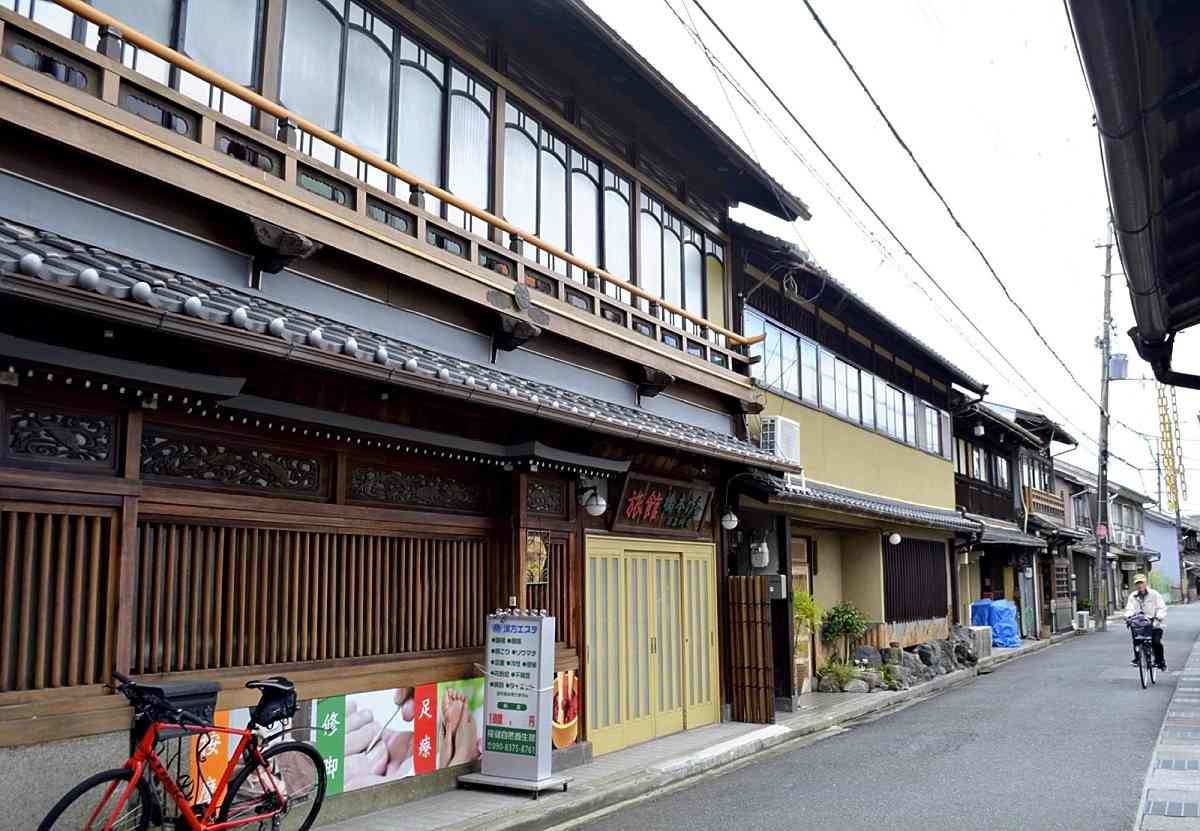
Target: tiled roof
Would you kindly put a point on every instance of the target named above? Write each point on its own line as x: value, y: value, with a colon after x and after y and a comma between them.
x: 1000, y: 532
x: 822, y: 495
x: 68, y: 268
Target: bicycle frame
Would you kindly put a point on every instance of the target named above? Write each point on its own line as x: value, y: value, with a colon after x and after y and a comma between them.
x: 145, y: 757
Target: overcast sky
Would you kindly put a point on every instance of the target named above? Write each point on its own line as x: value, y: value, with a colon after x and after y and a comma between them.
x: 991, y: 99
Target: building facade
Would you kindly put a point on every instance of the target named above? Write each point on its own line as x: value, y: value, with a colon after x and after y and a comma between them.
x: 330, y: 327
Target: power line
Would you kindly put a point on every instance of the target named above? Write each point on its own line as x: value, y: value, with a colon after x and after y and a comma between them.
x: 950, y: 211
x: 854, y: 189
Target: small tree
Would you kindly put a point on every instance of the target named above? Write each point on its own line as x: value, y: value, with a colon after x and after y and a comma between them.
x: 844, y: 621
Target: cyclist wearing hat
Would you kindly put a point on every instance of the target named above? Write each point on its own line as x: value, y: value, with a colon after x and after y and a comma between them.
x: 1145, y: 600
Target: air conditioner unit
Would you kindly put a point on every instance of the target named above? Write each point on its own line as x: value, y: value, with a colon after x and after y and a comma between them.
x: 781, y: 436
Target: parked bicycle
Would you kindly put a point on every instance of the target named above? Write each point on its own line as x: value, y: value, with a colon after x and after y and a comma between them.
x: 279, y: 787
x: 1142, y: 630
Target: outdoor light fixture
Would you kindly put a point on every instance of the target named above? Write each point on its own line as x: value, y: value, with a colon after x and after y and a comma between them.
x: 592, y: 501
x: 978, y: 429
x: 894, y: 538
x: 729, y: 521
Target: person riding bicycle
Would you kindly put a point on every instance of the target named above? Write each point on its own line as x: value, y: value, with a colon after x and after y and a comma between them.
x: 1146, y: 601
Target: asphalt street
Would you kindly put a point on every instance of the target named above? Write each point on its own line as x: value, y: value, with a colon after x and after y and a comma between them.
x: 1061, y: 739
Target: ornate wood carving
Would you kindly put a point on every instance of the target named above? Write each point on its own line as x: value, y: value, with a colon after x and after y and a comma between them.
x: 546, y: 498
x: 416, y: 490
x: 61, y: 437
x: 213, y: 463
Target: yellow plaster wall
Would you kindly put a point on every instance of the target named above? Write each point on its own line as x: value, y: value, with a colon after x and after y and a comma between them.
x: 862, y: 572
x: 827, y: 585
x: 837, y: 452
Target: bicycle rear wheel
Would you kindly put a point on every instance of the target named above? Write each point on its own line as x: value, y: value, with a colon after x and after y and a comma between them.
x: 294, y: 769
x: 1141, y: 661
x: 93, y: 804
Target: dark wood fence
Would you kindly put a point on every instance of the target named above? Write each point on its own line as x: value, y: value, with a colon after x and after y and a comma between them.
x: 915, y: 581
x: 750, y: 646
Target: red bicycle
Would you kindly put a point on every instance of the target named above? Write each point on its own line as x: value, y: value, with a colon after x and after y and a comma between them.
x: 279, y: 787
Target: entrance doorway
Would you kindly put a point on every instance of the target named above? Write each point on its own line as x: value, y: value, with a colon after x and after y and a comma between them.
x: 650, y: 616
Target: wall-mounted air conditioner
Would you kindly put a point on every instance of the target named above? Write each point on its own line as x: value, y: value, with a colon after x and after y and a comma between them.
x: 781, y: 436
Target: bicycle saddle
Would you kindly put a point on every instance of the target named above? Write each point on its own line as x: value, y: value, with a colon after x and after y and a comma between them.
x: 276, y: 683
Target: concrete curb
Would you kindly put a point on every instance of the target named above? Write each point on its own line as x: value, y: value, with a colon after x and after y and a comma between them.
x: 588, y: 800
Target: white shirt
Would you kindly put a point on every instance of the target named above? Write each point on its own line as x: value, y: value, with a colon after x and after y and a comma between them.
x: 1152, y: 606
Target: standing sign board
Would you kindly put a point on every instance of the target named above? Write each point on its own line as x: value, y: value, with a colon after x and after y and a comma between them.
x: 518, y: 710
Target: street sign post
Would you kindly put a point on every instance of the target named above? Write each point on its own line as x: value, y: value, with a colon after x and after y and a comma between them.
x: 519, y: 702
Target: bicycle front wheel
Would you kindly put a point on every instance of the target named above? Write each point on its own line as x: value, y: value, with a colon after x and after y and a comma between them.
x: 96, y: 803
x: 1148, y: 660
x: 287, y: 790
x: 1141, y: 661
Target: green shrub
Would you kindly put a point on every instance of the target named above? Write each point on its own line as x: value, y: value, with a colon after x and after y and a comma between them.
x: 840, y: 670
x: 890, y: 681
x: 845, y: 621
x: 1084, y: 604
x: 807, y: 611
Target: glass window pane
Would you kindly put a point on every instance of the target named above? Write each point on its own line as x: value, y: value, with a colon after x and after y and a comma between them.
x: 616, y: 234
x: 774, y: 358
x: 672, y: 269
x: 312, y: 43
x: 808, y: 370
x: 754, y: 327
x: 881, y: 404
x: 693, y: 280
x: 368, y: 84
x: 153, y: 18
x: 419, y: 124
x: 828, y: 382
x: 868, y: 400
x: 585, y: 219
x: 53, y: 17
x: 852, y: 402
x: 650, y: 268
x: 221, y: 34
x: 552, y: 226
x: 520, y: 179
x: 470, y: 150
x: 789, y: 364
x: 910, y: 419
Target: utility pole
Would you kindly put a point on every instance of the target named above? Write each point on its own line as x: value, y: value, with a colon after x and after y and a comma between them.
x: 1102, y: 527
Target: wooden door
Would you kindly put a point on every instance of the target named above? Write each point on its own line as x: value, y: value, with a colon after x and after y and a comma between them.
x: 667, y: 643
x: 652, y: 657
x: 750, y: 646
x: 605, y: 649
x: 700, y: 639
x: 802, y: 651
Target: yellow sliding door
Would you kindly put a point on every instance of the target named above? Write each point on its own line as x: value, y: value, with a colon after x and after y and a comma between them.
x: 650, y: 619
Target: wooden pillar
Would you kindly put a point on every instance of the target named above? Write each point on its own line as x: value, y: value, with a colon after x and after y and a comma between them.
x: 122, y: 588
x: 498, y: 107
x: 272, y: 59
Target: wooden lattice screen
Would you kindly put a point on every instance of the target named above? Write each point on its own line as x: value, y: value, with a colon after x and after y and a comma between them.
x: 558, y: 596
x: 751, y: 650
x: 213, y: 597
x: 56, y: 597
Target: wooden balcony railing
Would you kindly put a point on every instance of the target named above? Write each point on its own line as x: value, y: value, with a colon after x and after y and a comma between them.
x: 981, y: 498
x: 278, y: 164
x: 1047, y: 504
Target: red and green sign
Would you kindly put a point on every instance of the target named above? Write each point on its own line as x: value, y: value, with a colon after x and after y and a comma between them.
x: 662, y: 505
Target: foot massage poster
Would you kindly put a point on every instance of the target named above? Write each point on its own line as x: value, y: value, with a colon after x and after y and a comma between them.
x: 370, y: 738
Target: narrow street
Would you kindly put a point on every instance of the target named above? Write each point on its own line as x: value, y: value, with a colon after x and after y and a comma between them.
x: 1059, y: 740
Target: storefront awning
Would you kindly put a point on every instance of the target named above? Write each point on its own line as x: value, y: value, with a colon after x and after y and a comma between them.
x: 822, y: 495
x: 1000, y: 532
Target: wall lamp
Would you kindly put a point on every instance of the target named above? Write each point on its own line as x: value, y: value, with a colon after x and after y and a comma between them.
x: 592, y: 501
x: 729, y: 520
x: 978, y: 429
x: 894, y: 538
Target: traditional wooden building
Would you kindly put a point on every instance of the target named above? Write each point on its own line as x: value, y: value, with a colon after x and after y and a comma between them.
x: 330, y: 326
x: 864, y: 407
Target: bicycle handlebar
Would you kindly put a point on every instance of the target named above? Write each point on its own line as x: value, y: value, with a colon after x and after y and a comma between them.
x: 136, y: 695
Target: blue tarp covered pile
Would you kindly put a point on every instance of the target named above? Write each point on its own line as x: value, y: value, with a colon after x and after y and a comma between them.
x: 1001, y: 615
x: 1004, y: 624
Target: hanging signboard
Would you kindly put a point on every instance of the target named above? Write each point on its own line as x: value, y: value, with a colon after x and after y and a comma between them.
x: 518, y: 705
x: 662, y: 505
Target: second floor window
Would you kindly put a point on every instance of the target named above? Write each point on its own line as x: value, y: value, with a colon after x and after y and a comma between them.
x: 1081, y: 506
x: 1002, y: 472
x: 355, y: 74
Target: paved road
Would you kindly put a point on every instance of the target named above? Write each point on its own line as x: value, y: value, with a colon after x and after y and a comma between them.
x: 1061, y: 739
